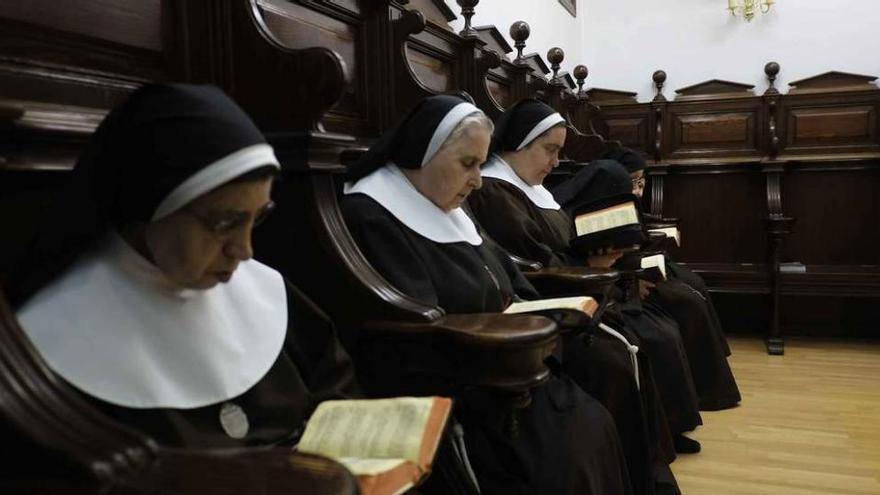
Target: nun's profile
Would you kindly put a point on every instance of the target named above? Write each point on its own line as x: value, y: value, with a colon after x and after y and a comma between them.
x: 155, y: 310
x: 403, y: 205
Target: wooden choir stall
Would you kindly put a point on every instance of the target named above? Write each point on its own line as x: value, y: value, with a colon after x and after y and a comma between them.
x: 315, y: 77
x: 323, y: 79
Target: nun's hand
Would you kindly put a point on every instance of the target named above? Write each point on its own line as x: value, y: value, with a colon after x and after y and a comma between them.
x: 645, y: 288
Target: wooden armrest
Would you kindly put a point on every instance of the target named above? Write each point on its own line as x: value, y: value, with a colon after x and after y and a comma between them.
x: 348, y: 156
x: 525, y: 265
x: 654, y: 236
x: 265, y: 471
x: 563, y: 281
x: 657, y: 242
x: 501, y: 352
x: 659, y: 222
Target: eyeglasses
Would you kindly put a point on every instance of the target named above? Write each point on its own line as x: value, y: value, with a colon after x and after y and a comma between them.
x: 640, y: 182
x: 231, y: 222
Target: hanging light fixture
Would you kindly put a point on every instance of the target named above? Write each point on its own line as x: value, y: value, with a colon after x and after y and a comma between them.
x: 748, y: 8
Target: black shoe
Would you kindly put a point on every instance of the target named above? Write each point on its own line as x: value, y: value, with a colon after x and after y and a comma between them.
x: 685, y: 445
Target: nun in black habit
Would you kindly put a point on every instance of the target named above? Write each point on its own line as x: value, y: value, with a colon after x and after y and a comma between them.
x: 684, y: 296
x: 402, y: 204
x: 142, y: 294
x: 526, y: 144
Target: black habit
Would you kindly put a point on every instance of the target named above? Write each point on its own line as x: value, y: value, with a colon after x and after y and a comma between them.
x: 568, y: 442
x: 311, y: 368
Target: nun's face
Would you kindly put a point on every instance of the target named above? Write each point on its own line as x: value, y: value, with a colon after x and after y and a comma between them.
x: 638, y: 182
x: 535, y: 162
x: 450, y: 176
x: 202, y: 244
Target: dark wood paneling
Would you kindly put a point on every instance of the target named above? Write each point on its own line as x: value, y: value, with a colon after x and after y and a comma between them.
x: 724, y: 129
x: 502, y: 93
x: 838, y: 216
x: 132, y: 23
x: 720, y: 216
x: 721, y: 129
x: 63, y: 65
x: 432, y: 72
x: 340, y: 29
x: 628, y: 123
x: 297, y: 26
x: 630, y: 132
x: 831, y: 126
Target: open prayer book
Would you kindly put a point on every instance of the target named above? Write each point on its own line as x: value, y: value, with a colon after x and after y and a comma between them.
x: 566, y: 311
x: 388, y: 444
x: 613, y: 223
x: 671, y: 232
x: 584, y: 304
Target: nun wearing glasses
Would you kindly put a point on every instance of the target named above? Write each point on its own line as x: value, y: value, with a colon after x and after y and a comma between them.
x: 141, y: 291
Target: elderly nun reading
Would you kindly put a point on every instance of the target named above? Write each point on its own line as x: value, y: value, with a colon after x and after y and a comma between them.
x: 155, y: 310
x: 403, y: 207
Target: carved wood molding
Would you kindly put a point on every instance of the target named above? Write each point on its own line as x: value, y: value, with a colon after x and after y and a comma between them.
x: 611, y: 96
x: 833, y: 81
x: 714, y: 89
x: 494, y: 39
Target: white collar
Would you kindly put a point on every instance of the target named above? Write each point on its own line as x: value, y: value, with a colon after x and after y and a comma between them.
x: 116, y: 328
x: 498, y: 168
x: 391, y: 189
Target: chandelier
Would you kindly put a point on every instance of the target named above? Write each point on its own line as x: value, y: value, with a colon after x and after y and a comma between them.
x: 748, y: 8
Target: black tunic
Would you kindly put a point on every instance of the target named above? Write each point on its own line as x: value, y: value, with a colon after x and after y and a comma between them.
x: 544, y: 235
x: 683, y: 274
x: 568, y: 442
x: 705, y: 345
x: 311, y: 368
x: 670, y: 304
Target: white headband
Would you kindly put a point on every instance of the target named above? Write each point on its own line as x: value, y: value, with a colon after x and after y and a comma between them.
x: 216, y: 174
x: 446, y: 126
x: 548, y: 122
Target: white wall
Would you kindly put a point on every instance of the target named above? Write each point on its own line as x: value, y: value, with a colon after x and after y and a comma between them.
x: 551, y: 25
x: 624, y: 41
x: 696, y: 40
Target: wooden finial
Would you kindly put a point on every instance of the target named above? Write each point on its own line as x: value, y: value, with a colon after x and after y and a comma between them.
x: 659, y: 78
x: 580, y: 74
x: 520, y: 32
x: 555, y: 56
x: 771, y: 69
x: 467, y: 11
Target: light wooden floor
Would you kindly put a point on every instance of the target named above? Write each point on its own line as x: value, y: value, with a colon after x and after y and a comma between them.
x: 809, y: 424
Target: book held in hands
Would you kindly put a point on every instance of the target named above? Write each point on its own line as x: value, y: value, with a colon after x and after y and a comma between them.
x: 610, y: 223
x: 568, y: 312
x: 388, y: 444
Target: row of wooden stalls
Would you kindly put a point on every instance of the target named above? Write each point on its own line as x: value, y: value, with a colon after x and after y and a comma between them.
x: 323, y: 78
